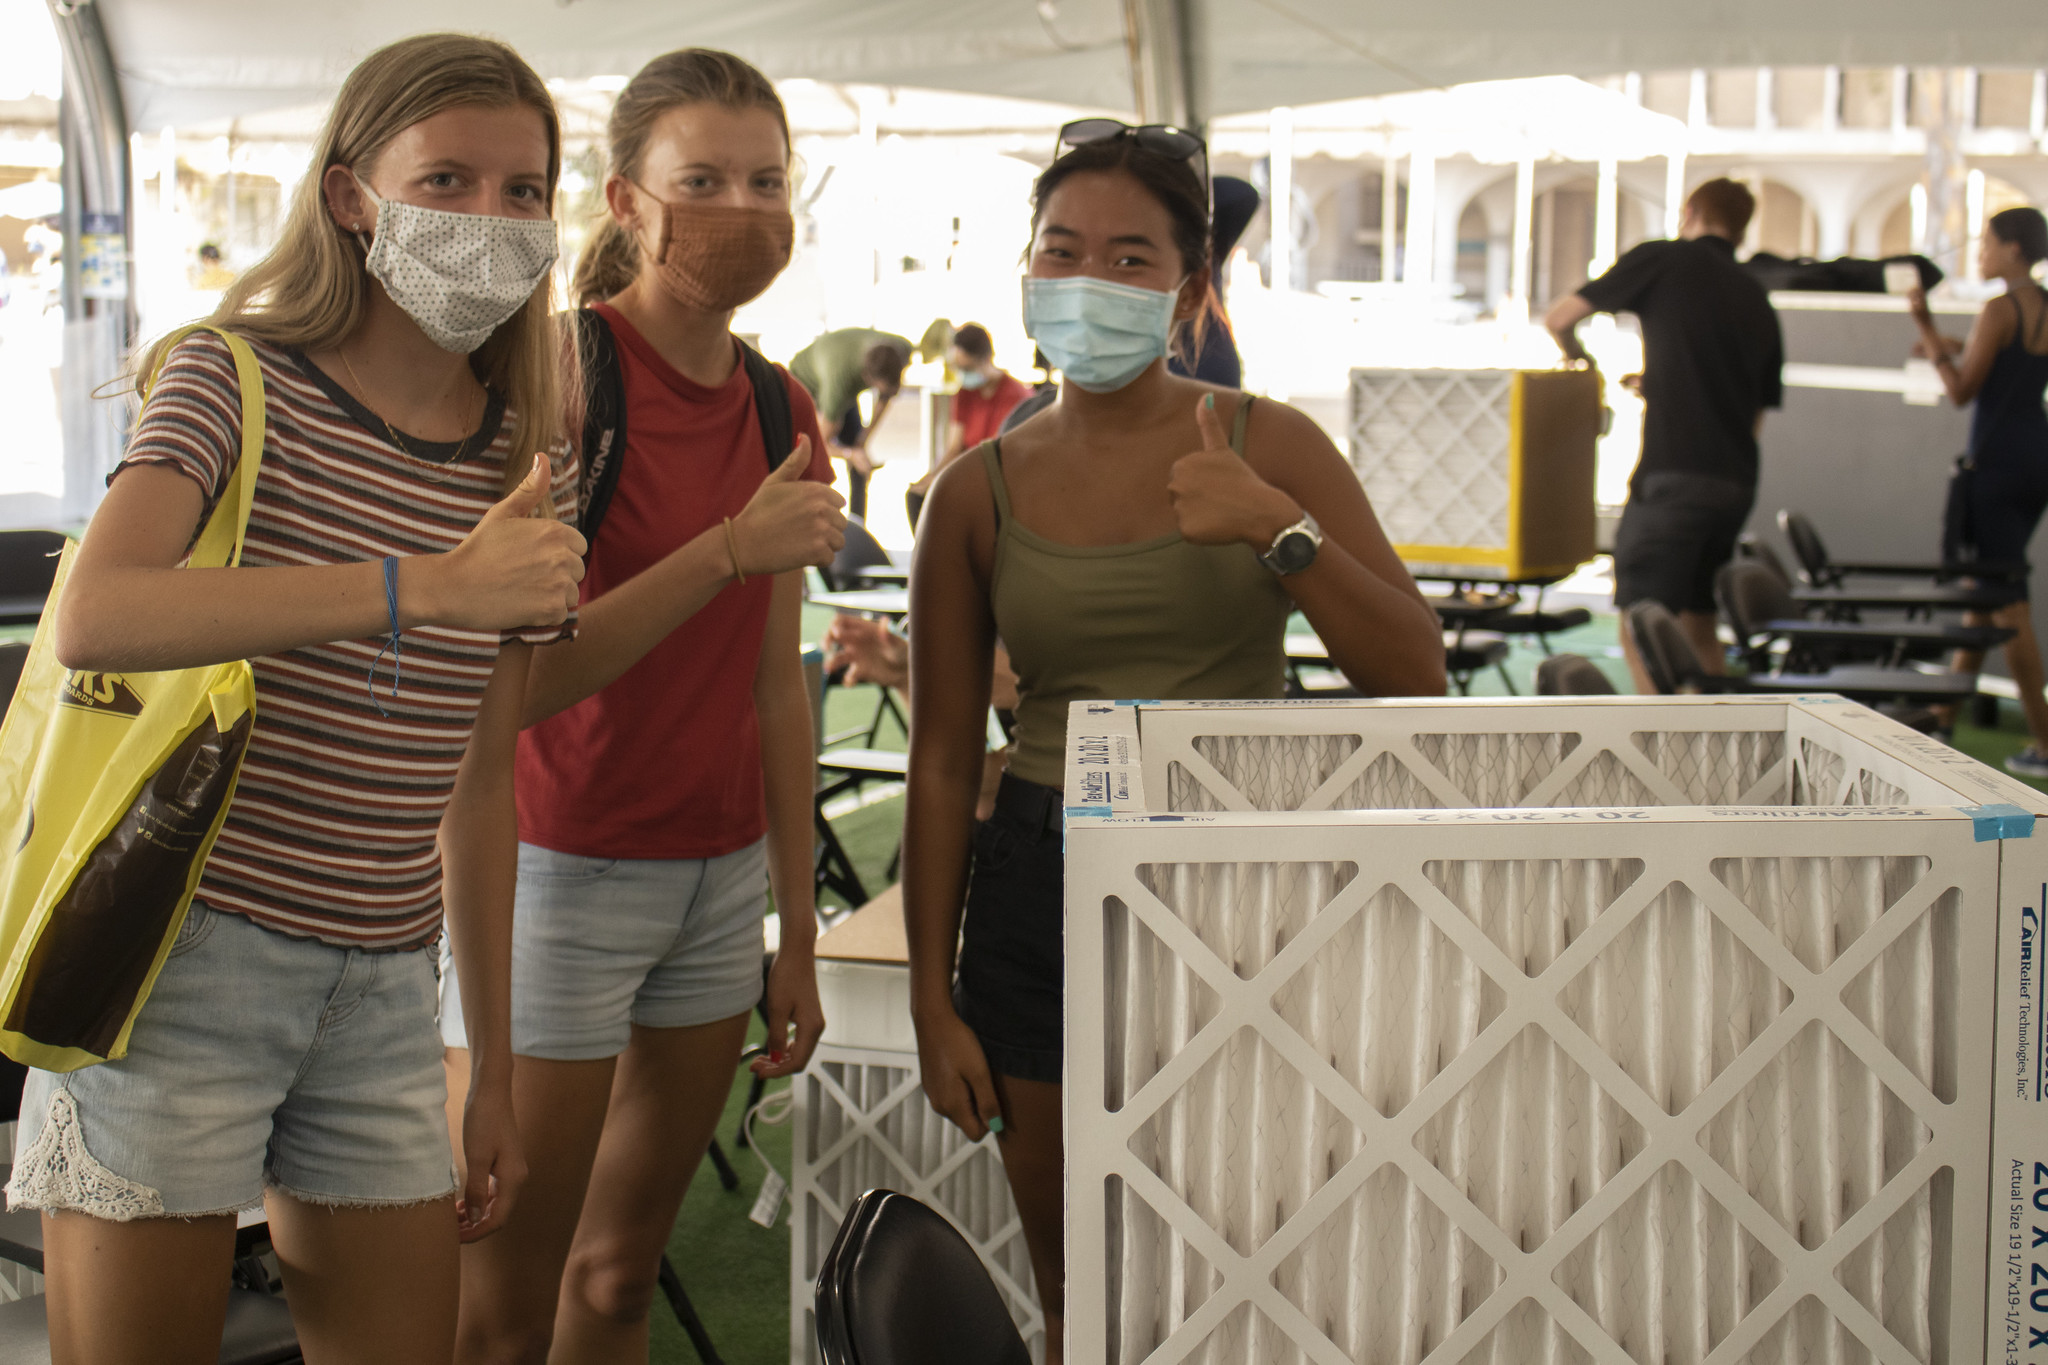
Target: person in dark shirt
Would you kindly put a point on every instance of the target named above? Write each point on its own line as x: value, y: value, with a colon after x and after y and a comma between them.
x: 1712, y: 357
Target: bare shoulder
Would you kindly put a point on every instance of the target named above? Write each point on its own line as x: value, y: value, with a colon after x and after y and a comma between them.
x: 1283, y: 436
x: 961, y: 502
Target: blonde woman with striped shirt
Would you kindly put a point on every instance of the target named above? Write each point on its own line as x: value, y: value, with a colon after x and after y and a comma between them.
x: 393, y: 581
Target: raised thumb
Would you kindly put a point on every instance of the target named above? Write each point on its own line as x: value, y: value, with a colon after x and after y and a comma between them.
x: 1213, y: 437
x: 532, y: 492
x: 792, y: 468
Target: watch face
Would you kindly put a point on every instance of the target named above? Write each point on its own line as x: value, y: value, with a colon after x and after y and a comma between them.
x: 1293, y: 552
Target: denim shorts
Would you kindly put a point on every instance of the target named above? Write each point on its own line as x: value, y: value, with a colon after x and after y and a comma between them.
x: 259, y: 1060
x: 602, y: 944
x: 1010, y: 985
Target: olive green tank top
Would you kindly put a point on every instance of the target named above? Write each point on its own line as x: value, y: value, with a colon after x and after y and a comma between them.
x: 1160, y: 619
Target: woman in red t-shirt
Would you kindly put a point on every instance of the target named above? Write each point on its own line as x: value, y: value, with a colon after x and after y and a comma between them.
x: 667, y: 778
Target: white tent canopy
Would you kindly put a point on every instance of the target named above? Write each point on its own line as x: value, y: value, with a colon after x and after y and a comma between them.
x: 190, y: 61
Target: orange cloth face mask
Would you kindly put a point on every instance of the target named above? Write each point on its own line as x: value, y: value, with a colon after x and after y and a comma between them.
x: 715, y: 257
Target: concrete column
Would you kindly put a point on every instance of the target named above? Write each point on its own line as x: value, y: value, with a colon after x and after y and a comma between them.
x: 1280, y: 202
x: 1519, y: 261
x: 1606, y: 219
x: 1674, y: 193
x: 1419, y: 261
x: 1831, y: 100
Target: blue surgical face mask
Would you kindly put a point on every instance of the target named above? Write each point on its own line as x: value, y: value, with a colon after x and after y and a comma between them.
x: 972, y: 379
x: 1098, y: 334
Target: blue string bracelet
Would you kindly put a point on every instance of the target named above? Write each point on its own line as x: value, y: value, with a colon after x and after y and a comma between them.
x: 393, y: 645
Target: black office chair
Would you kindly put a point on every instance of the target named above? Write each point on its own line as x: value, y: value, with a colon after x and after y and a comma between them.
x: 861, y: 551
x: 1571, y: 675
x: 901, y: 1286
x: 1820, y: 570
x: 12, y: 656
x: 1752, y: 546
x: 1773, y: 634
x: 28, y: 566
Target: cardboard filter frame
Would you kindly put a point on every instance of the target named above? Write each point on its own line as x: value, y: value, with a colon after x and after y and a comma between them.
x: 1605, y: 1029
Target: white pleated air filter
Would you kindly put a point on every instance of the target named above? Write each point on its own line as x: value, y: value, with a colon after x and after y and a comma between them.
x: 1677, y: 1031
x: 863, y: 1123
x: 1487, y: 473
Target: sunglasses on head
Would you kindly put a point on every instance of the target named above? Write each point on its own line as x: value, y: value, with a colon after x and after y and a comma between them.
x: 1163, y: 138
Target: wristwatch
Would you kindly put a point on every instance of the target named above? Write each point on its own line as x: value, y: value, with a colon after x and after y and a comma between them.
x: 1294, y: 549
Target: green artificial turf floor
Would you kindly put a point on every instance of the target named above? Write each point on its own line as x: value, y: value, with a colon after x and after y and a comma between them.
x: 738, y: 1273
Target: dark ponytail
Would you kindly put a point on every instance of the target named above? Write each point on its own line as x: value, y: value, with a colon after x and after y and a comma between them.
x: 2023, y: 228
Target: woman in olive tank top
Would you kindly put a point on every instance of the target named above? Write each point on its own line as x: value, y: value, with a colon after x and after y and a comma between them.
x: 1145, y: 536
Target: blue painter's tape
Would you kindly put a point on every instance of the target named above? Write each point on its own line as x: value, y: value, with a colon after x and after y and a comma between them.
x: 1073, y: 811
x: 1144, y: 701
x: 1999, y: 821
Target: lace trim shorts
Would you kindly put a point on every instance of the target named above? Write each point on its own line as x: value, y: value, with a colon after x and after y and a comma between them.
x: 259, y: 1061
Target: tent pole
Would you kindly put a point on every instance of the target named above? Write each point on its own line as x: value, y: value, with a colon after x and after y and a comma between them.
x: 1159, y: 36
x: 99, y: 307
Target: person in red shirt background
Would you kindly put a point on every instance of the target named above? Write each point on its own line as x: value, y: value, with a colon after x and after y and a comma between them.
x: 666, y: 780
x: 987, y: 394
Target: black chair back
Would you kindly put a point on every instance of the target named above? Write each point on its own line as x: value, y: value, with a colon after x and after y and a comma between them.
x: 1808, y: 549
x: 861, y: 551
x: 901, y: 1286
x: 28, y: 561
x: 1571, y: 675
x: 13, y: 655
x: 1752, y: 596
x: 1752, y: 546
x: 1660, y: 643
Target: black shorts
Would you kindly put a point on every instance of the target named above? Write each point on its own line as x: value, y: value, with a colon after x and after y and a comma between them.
x: 2007, y: 498
x: 1675, y: 534
x: 1010, y: 984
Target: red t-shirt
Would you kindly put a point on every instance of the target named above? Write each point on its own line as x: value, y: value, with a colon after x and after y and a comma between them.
x: 666, y: 761
x: 980, y: 412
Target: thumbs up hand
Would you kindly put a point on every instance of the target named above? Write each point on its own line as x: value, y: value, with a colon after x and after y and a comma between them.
x: 518, y: 567
x: 1218, y: 499
x: 790, y: 521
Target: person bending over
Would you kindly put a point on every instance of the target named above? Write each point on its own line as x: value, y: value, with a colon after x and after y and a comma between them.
x: 837, y: 368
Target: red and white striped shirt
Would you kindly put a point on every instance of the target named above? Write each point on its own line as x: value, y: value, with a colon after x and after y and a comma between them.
x: 333, y: 827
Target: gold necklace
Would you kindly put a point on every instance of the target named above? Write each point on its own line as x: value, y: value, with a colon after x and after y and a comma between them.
x: 446, y: 467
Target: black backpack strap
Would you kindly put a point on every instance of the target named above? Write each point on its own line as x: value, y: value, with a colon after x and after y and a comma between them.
x: 604, y: 417
x: 771, y: 405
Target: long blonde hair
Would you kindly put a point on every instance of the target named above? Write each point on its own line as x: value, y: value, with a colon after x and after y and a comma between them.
x: 310, y: 291
x: 693, y: 75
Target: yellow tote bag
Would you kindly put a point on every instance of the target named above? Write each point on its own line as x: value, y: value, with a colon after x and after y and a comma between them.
x: 113, y: 787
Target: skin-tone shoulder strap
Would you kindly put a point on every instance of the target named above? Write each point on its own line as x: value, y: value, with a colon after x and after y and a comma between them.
x: 992, y: 461
x: 1244, y: 412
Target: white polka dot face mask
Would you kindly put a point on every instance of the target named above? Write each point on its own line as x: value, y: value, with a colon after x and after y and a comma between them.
x: 458, y: 275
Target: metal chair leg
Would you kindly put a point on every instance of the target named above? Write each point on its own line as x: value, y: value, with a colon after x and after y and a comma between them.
x: 727, y: 1176
x: 686, y: 1313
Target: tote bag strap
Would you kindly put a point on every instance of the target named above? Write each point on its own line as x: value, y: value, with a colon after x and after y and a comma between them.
x: 221, y: 542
